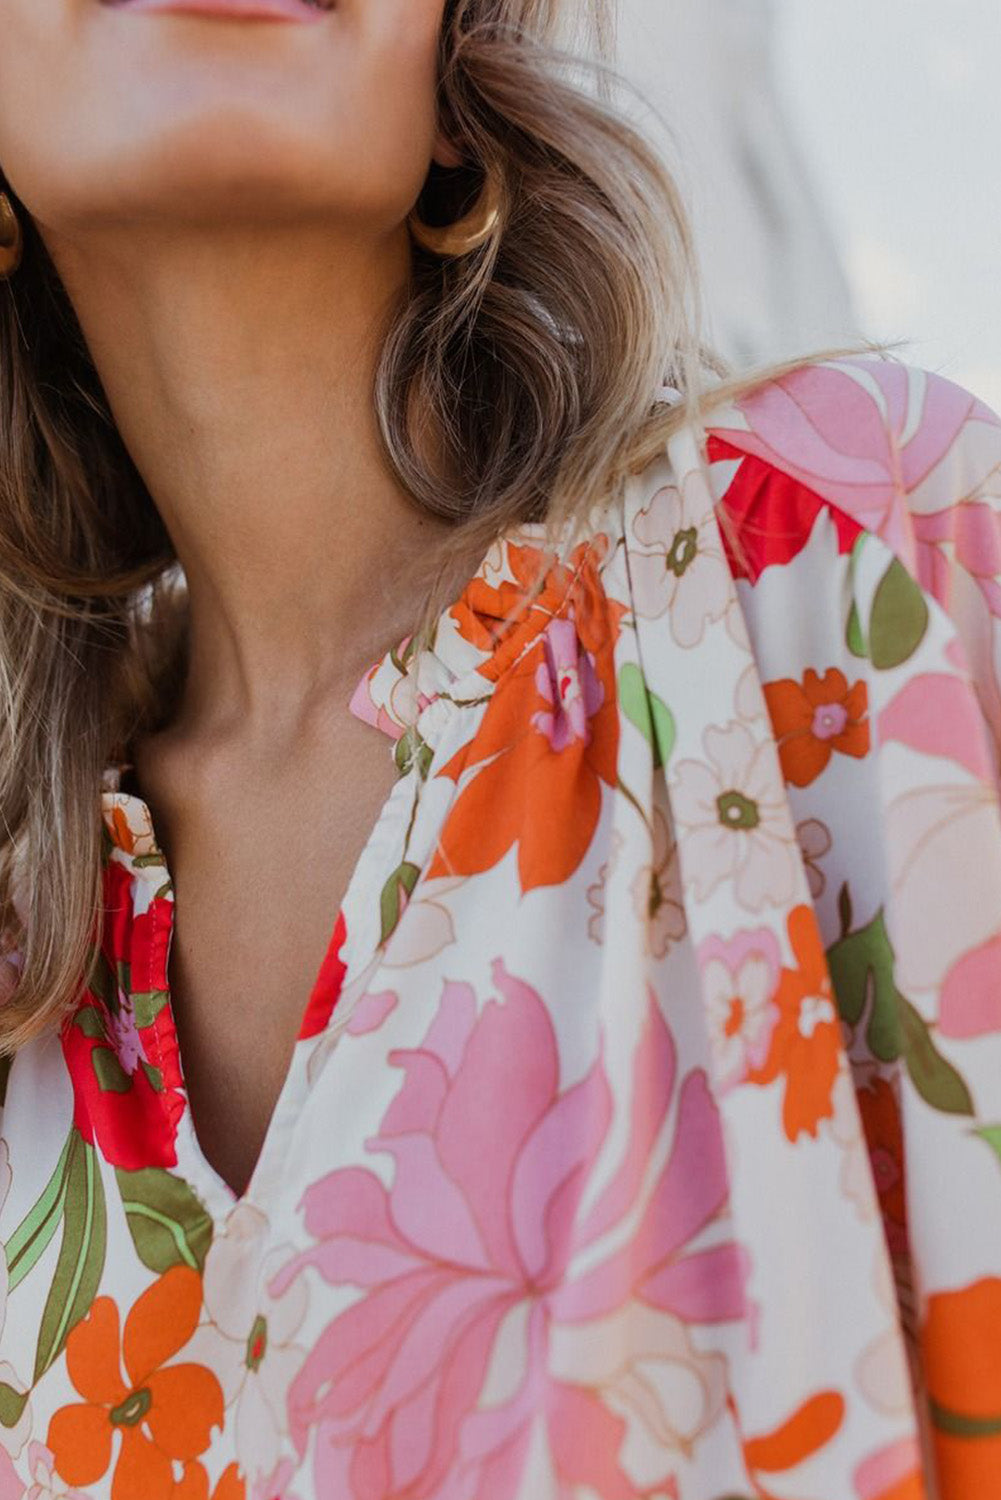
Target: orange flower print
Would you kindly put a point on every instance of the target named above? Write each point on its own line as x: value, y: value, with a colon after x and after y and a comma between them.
x: 547, y: 743
x: 482, y: 612
x: 805, y: 1045
x: 121, y: 833
x: 960, y: 1338
x: 808, y: 1429
x: 195, y: 1484
x: 816, y: 718
x: 161, y: 1412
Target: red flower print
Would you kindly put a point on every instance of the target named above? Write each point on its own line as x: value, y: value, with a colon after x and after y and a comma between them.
x: 769, y: 514
x: 119, y: 1044
x: 161, y: 1412
x: 329, y: 982
x: 470, y: 1250
x: 547, y: 743
x: 805, y: 1047
x: 813, y: 719
x: 884, y: 1137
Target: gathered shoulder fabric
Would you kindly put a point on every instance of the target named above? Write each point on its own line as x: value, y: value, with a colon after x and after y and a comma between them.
x: 643, y: 1133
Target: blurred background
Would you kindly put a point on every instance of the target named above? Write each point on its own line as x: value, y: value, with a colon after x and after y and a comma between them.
x: 842, y: 164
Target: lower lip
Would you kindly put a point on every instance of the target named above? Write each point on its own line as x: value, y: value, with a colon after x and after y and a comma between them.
x: 242, y: 10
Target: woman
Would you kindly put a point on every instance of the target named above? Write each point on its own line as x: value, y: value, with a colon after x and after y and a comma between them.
x: 575, y: 1070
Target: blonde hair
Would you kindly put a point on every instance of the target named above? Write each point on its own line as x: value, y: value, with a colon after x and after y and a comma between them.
x: 532, y: 362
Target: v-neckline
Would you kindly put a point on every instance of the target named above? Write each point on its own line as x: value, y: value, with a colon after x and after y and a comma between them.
x: 400, y: 695
x: 218, y: 1194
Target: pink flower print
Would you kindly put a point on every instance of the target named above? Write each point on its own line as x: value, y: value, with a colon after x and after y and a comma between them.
x: 864, y: 433
x: 683, y: 571
x: 967, y: 536
x: 893, y: 1469
x: 276, y: 1485
x: 971, y: 994
x: 739, y: 980
x: 935, y: 833
x: 437, y: 1379
x: 124, y: 1035
x: 12, y: 1487
x: 566, y: 679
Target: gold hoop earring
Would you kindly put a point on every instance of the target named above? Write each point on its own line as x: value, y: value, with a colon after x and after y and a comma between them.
x: 469, y: 232
x: 11, y: 238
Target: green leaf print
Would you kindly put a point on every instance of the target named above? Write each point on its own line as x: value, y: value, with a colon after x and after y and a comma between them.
x: 412, y: 747
x: 935, y: 1079
x: 992, y: 1135
x: 32, y: 1236
x: 861, y: 965
x: 861, y: 968
x: 147, y: 1005
x: 397, y: 890
x: 12, y: 1404
x: 154, y: 1077
x: 90, y: 1021
x: 854, y: 634
x: 899, y: 617
x: 81, y: 1256
x: 111, y: 1076
x: 148, y: 861
x: 650, y: 714
x: 168, y: 1222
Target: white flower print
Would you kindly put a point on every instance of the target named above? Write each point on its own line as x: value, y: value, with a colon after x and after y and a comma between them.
x: 685, y: 572
x: 666, y: 1390
x: 814, y: 838
x: 741, y: 1015
x: 248, y: 1340
x: 596, y: 892
x: 733, y: 821
x: 656, y: 891
x: 882, y: 1369
x: 428, y: 929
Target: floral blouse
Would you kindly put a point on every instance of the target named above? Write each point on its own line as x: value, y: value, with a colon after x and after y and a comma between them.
x: 643, y: 1133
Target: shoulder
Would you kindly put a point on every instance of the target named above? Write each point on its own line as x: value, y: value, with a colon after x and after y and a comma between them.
x: 880, y: 445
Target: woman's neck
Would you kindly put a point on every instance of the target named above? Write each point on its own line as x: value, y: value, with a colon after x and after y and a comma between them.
x: 240, y: 374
